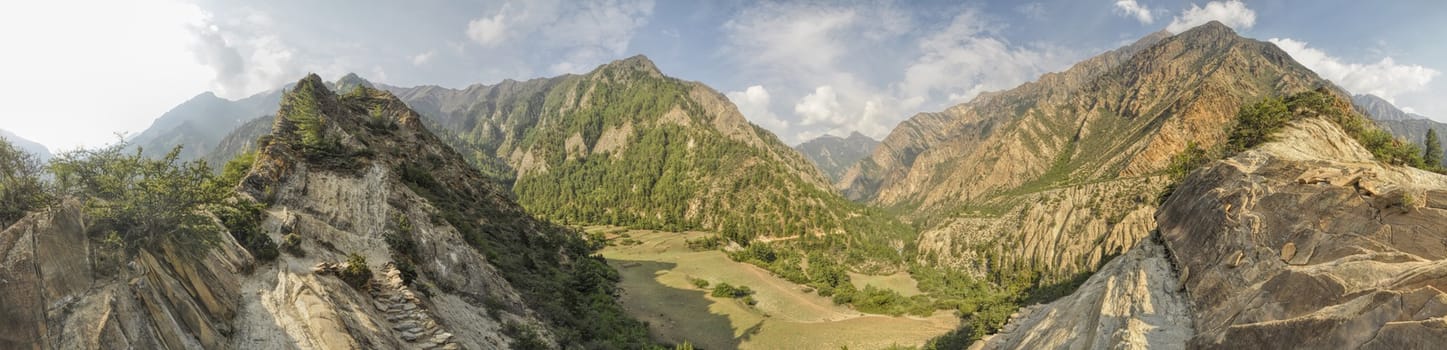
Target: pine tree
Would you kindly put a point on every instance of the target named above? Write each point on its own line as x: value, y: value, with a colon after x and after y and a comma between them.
x: 1433, y: 154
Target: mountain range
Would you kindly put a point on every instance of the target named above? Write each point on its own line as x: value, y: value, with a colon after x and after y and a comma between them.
x: 833, y: 155
x: 1410, y: 126
x: 1094, y: 177
x: 41, y: 153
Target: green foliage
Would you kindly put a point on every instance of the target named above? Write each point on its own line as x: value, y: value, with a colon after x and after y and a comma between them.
x: 1189, y: 159
x: 888, y: 302
x: 1256, y: 123
x: 291, y: 244
x: 705, y: 243
x: 305, y: 112
x: 141, y: 203
x: 21, y: 188
x: 356, y: 273
x: 1432, y: 156
x: 725, y: 290
x: 553, y: 267
x: 698, y: 282
x: 235, y: 169
x: 523, y: 337
x: 243, y: 218
x: 404, y: 250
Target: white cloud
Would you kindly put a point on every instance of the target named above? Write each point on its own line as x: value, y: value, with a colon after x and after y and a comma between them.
x: 821, y: 106
x: 1385, y: 78
x: 962, y: 61
x: 865, y: 67
x: 128, y: 61
x: 583, y: 33
x: 423, y: 58
x: 1130, y: 8
x: 754, y: 103
x: 489, y: 31
x: 1232, y: 13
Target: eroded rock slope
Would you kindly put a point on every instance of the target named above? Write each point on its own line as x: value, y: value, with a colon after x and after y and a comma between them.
x: 1305, y: 242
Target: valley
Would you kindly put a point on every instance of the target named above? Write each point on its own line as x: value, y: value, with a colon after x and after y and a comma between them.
x: 1194, y: 185
x: 657, y: 271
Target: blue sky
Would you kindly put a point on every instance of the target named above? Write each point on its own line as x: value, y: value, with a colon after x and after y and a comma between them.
x: 77, y: 72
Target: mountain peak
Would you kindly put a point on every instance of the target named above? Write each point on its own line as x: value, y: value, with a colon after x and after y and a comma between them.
x: 351, y: 81
x: 1210, y: 30
x: 639, y: 63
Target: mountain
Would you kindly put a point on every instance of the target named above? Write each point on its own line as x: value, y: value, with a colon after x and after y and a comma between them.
x: 626, y: 145
x: 1401, y: 124
x: 833, y: 155
x: 391, y: 240
x: 199, y: 123
x: 1057, y: 175
x: 1380, y: 109
x: 1305, y: 242
x: 41, y: 153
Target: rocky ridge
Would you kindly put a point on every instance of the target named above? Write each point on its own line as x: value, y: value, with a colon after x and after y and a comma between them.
x: 1062, y: 172
x: 1304, y: 242
x: 332, y: 202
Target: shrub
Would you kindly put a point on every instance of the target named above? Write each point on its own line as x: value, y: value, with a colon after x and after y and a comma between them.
x: 20, y: 186
x: 243, y: 219
x: 142, y: 202
x: 356, y: 273
x: 699, y: 282
x: 523, y: 337
x: 725, y: 290
x: 291, y: 244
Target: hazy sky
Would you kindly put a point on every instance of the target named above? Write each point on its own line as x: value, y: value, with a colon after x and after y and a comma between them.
x: 76, y: 72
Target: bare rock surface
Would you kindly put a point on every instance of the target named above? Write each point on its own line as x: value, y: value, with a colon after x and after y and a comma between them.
x: 1133, y: 302
x: 1305, y: 242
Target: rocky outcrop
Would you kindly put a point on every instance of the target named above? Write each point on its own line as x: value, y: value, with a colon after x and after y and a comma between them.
x: 360, y: 191
x: 1133, y: 302
x: 1060, y: 172
x: 59, y: 293
x: 1305, y: 242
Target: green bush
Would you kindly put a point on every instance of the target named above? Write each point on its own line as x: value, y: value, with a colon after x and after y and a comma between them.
x: 698, y: 282
x: 356, y: 273
x: 725, y: 290
x: 523, y: 337
x: 21, y: 188
x: 291, y: 244
x: 243, y: 219
x: 140, y: 203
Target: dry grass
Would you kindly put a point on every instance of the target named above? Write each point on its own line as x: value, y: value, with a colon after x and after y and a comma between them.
x: 657, y: 289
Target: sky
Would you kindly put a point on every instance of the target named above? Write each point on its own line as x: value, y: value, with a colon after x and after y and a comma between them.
x: 78, y: 73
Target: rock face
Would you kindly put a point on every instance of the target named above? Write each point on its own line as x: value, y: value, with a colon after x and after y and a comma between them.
x: 1061, y: 172
x: 833, y: 155
x: 1335, y: 249
x: 1305, y: 242
x: 54, y: 297
x: 1131, y: 303
x: 473, y: 275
